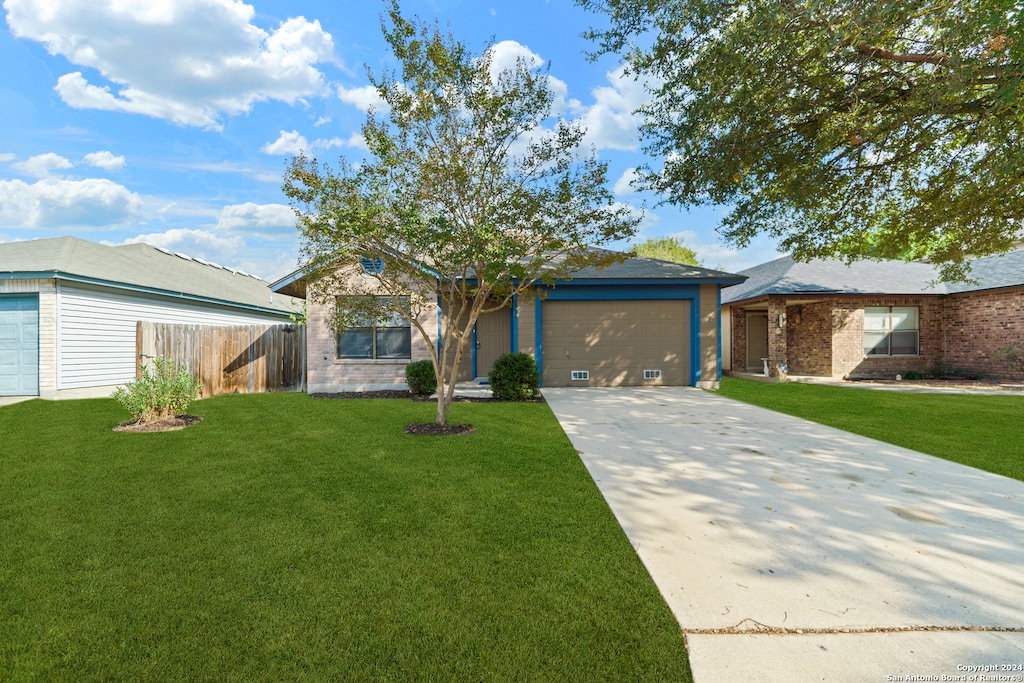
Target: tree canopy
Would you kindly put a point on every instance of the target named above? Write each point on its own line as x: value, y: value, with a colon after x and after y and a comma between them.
x: 886, y: 128
x: 667, y: 249
x: 469, y: 194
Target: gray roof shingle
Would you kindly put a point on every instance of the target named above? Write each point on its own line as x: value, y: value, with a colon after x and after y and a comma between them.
x: 633, y: 268
x: 141, y: 265
x: 832, y: 276
x: 640, y: 268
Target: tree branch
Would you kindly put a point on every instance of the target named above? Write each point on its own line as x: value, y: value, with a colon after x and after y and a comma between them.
x: 909, y: 58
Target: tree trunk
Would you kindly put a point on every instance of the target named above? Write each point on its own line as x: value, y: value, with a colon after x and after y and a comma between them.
x: 442, y: 406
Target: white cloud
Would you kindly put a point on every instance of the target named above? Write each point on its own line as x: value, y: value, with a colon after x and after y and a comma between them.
x: 105, y: 160
x: 195, y: 243
x: 623, y: 186
x: 264, y: 176
x: 290, y: 143
x: 7, y: 156
x: 230, y: 251
x: 256, y: 216
x: 357, y: 141
x: 187, y: 61
x: 53, y: 202
x: 611, y: 122
x: 363, y: 98
x: 321, y: 121
x: 287, y: 143
x: 43, y: 165
x: 508, y: 53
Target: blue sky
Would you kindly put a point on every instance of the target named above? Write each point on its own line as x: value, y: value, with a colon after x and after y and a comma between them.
x: 171, y: 121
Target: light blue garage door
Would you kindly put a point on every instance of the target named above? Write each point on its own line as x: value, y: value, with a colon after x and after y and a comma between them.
x: 19, y: 345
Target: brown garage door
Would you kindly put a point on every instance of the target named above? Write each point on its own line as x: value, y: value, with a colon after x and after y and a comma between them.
x: 615, y: 342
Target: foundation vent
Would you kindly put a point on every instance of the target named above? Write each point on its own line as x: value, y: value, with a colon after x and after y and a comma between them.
x: 580, y: 375
x: 652, y: 374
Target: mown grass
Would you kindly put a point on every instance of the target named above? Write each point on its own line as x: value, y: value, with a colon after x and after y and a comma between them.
x: 983, y: 431
x: 287, y: 538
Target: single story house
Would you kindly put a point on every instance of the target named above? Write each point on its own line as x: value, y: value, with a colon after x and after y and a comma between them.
x: 639, y: 322
x: 874, y: 319
x: 69, y: 307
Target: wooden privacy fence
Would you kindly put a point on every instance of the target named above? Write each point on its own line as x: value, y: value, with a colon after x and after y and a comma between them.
x: 230, y: 359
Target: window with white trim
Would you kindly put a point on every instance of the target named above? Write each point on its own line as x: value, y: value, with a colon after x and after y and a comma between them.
x: 384, y: 339
x: 891, y: 331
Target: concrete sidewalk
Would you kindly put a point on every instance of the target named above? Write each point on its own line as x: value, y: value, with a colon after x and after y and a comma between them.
x: 790, y: 551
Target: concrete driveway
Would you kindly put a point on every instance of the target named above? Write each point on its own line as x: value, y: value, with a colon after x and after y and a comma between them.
x: 790, y: 551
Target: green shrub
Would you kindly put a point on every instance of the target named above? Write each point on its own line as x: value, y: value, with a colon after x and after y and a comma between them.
x: 514, y: 377
x: 164, y: 390
x: 421, y: 378
x: 1012, y: 355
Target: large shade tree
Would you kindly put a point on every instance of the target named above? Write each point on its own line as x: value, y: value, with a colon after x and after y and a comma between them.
x: 669, y: 248
x: 878, y: 128
x: 471, y: 193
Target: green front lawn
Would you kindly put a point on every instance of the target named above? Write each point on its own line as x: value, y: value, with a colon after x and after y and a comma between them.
x: 982, y: 431
x: 286, y: 538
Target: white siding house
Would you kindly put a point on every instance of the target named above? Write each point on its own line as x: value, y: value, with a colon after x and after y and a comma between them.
x: 69, y: 308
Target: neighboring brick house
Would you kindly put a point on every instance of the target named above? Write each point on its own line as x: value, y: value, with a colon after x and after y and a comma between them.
x: 640, y: 322
x: 873, y: 318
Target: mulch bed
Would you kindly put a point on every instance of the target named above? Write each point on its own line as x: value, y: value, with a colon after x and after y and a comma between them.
x: 421, y: 428
x: 404, y: 393
x: 434, y: 429
x: 168, y: 424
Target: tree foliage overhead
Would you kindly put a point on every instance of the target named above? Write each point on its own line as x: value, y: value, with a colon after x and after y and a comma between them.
x: 667, y: 249
x: 877, y: 128
x: 469, y: 194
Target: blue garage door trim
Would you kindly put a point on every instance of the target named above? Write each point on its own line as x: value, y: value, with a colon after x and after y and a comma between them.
x: 19, y: 345
x: 641, y: 292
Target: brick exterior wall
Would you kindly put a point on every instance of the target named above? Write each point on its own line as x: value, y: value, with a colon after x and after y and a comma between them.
x: 738, y: 329
x: 975, y: 324
x: 325, y: 372
x: 808, y: 328
x: 958, y: 333
x: 848, y: 359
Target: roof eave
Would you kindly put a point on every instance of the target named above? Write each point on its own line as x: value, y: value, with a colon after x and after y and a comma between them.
x: 71, y: 277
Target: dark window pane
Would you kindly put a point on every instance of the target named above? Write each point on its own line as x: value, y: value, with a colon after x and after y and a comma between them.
x: 394, y: 342
x: 356, y: 342
x: 876, y: 343
x: 904, y: 343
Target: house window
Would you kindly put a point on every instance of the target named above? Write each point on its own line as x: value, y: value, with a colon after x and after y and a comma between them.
x: 386, y: 338
x: 891, y: 331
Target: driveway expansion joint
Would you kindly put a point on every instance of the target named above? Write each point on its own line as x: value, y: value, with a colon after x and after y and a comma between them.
x: 750, y: 626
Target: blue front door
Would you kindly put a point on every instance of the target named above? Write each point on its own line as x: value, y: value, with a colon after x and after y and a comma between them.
x: 19, y: 345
